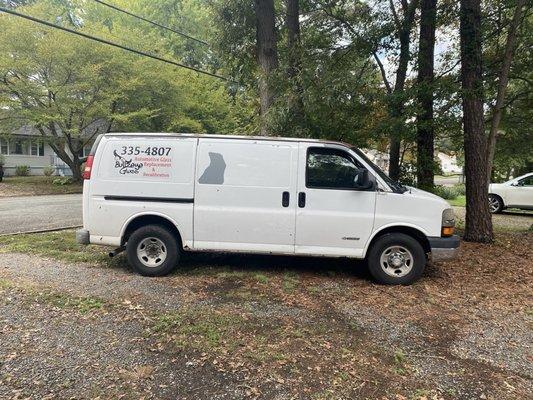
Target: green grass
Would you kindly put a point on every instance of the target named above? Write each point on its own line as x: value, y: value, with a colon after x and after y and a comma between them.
x: 39, y: 185
x: 459, y: 201
x: 201, y: 329
x: 64, y: 301
x: 60, y: 245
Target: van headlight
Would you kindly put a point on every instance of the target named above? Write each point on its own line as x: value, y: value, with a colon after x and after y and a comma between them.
x: 448, y: 222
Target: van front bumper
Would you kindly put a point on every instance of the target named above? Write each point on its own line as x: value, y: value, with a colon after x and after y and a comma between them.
x: 83, y: 236
x: 444, y: 249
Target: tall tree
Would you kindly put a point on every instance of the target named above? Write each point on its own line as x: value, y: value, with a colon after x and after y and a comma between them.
x: 403, y: 25
x: 478, y: 219
x: 295, y: 101
x: 503, y: 80
x: 425, y: 136
x: 267, y: 56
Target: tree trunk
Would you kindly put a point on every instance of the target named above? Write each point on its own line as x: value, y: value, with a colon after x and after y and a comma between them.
x: 478, y: 219
x: 293, y: 36
x: 295, y: 101
x: 267, y: 56
x: 396, y: 105
x: 503, y: 80
x: 425, y: 135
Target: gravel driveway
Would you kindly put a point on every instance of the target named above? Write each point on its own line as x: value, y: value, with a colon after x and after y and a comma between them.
x: 516, y: 220
x: 33, y: 213
x: 86, y: 331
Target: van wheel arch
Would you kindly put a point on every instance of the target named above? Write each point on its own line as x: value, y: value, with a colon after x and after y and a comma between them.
x: 144, y: 220
x: 419, y: 236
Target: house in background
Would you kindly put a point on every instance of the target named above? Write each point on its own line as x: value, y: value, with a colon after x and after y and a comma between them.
x: 26, y: 146
x: 448, y: 164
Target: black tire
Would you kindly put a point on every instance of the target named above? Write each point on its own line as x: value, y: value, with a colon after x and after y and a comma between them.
x: 169, y: 242
x: 385, y: 242
x: 497, y: 201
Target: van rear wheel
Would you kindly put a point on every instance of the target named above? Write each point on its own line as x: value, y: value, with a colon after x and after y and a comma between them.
x: 152, y: 251
x: 396, y: 259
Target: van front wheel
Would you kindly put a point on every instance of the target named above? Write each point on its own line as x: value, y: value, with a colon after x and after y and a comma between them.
x: 396, y: 259
x: 152, y: 251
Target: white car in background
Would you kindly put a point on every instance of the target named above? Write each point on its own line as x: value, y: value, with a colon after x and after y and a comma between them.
x: 516, y: 193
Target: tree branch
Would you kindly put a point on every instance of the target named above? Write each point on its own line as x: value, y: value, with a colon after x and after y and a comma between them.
x: 383, y: 73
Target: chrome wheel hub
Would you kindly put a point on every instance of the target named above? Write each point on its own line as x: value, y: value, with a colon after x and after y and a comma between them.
x: 396, y: 261
x: 152, y: 252
x: 493, y: 204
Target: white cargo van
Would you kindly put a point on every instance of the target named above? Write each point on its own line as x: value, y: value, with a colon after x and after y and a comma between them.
x: 157, y: 195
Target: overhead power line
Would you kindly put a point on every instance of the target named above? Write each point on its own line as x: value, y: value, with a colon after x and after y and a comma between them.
x: 151, y: 22
x: 107, y: 42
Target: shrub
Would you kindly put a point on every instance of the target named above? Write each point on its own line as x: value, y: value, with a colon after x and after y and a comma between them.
x: 22, y: 170
x: 2, y: 160
x: 447, y: 193
x: 64, y: 180
x: 48, y: 170
x: 460, y: 189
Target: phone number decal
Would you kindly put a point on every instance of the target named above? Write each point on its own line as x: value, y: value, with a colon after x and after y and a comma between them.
x: 149, y: 151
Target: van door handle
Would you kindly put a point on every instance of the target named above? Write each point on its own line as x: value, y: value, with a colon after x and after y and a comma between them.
x: 285, y: 199
x: 301, y: 199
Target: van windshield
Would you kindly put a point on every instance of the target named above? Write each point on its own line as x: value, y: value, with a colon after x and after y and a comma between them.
x: 395, y: 186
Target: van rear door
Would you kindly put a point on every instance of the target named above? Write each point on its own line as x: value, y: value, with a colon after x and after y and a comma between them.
x: 245, y: 195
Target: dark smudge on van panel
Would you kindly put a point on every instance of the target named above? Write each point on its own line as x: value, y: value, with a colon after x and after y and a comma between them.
x: 214, y: 173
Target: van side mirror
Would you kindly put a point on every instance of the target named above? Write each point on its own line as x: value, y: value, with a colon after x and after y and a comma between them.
x: 362, y: 180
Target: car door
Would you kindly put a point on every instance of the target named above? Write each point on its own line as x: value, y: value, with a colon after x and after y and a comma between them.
x: 521, y: 193
x: 332, y: 218
x: 245, y: 195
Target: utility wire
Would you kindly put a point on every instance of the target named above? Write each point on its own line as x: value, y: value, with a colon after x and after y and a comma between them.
x: 100, y: 40
x: 151, y: 22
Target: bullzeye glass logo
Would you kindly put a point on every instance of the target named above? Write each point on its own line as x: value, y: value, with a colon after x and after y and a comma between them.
x: 125, y: 166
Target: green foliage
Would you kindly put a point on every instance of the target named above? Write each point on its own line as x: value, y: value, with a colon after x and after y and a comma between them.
x: 2, y: 160
x: 62, y: 181
x: 72, y: 88
x: 460, y: 189
x: 446, y: 192
x: 22, y: 170
x: 48, y: 170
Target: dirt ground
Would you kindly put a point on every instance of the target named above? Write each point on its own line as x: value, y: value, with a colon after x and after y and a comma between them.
x: 237, y: 327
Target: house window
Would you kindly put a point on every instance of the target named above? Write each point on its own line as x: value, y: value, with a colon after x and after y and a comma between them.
x: 19, y: 146
x: 37, y: 148
x: 4, y: 146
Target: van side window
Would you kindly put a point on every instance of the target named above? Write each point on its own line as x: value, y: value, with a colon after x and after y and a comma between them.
x: 330, y: 169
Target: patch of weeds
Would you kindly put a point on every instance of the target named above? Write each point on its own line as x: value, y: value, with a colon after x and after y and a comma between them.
x: 82, y: 304
x: 4, y: 284
x: 419, y: 394
x: 290, y: 281
x: 400, y: 360
x: 314, y: 289
x: 261, y: 278
x: 232, y: 274
x: 241, y: 294
x: 60, y: 245
x: 199, y: 329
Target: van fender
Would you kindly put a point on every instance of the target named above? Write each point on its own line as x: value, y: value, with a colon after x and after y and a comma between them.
x: 391, y: 225
x: 185, y: 241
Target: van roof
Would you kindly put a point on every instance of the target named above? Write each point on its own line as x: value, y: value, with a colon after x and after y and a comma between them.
x: 241, y: 137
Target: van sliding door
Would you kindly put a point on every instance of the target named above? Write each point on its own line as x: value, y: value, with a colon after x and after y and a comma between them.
x: 245, y: 195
